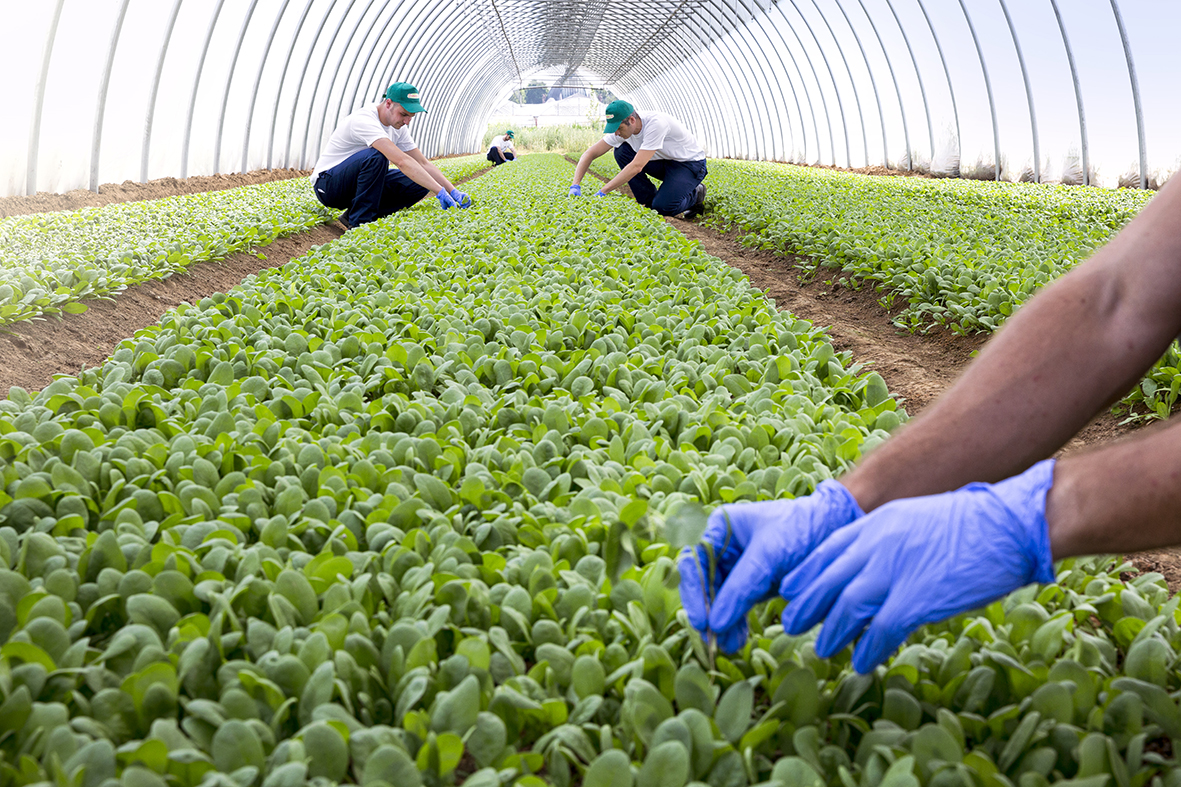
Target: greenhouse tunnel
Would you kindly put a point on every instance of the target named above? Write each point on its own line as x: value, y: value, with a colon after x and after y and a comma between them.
x: 1075, y: 92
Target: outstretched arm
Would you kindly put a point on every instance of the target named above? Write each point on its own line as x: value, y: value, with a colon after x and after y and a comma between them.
x: 584, y: 162
x: 412, y: 167
x: 1071, y: 351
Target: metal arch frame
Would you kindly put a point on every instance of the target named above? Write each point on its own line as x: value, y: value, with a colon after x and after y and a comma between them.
x: 959, y: 136
x: 184, y: 152
x: 741, y: 38
x: 996, y: 134
x: 786, y: 142
x: 725, y: 62
x: 410, y: 55
x: 1037, y: 151
x: 257, y: 82
x: 836, y: 90
x: 155, y: 89
x: 918, y: 75
x: 39, y: 103
x: 789, y: 150
x: 283, y: 79
x: 413, y: 24
x: 804, y: 84
x: 436, y: 137
x: 319, y: 76
x: 644, y: 75
x: 225, y: 97
x: 897, y: 89
x: 852, y: 81
x: 404, y: 25
x: 874, y: 84
x: 369, y: 58
x: 334, y: 74
x: 1078, y: 92
x: 716, y: 139
x: 1123, y: 36
x: 299, y: 85
x: 104, y: 84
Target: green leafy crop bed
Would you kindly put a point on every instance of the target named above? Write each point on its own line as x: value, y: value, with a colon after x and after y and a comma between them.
x: 51, y: 261
x: 395, y: 514
x: 959, y: 253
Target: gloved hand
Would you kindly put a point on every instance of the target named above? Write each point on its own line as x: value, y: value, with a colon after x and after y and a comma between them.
x: 445, y: 200
x: 461, y: 199
x: 921, y: 560
x: 600, y: 193
x: 576, y: 190
x: 767, y: 540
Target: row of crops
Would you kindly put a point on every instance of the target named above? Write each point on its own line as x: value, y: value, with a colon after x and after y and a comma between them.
x: 51, y: 262
x: 955, y: 253
x: 397, y: 514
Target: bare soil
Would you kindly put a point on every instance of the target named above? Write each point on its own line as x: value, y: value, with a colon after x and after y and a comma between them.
x: 33, y: 351
x: 130, y: 191
x: 917, y: 368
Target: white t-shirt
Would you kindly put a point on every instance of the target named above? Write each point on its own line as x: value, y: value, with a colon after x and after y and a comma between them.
x: 502, y: 142
x: 664, y: 134
x: 357, y: 132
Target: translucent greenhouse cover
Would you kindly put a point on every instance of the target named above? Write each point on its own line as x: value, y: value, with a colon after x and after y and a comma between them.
x: 102, y: 91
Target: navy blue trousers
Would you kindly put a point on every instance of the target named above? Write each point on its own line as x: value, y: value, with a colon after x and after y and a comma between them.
x: 366, y: 187
x: 497, y: 156
x: 678, y: 181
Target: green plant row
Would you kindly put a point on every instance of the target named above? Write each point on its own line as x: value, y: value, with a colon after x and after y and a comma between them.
x: 461, y: 167
x: 958, y: 253
x: 49, y: 262
x: 373, y: 505
x: 397, y: 515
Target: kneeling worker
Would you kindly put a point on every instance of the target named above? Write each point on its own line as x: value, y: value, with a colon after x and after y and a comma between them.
x: 353, y: 172
x: 657, y: 145
x: 500, y: 149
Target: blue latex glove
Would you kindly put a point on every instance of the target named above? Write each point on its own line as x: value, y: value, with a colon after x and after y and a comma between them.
x: 921, y: 560
x: 767, y: 540
x: 461, y: 199
x: 445, y: 200
x: 600, y: 194
x: 576, y: 190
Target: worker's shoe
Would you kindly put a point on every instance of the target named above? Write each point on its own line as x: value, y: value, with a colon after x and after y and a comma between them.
x: 344, y: 220
x: 698, y: 206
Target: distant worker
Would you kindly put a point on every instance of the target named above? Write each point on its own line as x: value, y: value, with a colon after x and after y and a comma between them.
x: 353, y: 173
x: 652, y: 145
x: 500, y: 149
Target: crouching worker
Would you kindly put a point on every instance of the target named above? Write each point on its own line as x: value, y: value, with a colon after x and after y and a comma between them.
x: 353, y: 173
x: 654, y: 145
x: 500, y: 149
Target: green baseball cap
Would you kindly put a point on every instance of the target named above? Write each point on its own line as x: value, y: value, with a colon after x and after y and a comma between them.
x: 405, y: 94
x: 617, y: 112
x: 509, y: 133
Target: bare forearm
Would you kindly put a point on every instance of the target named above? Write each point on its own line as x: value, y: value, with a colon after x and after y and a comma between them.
x: 1124, y: 497
x: 1059, y: 361
x: 437, y: 175
x: 625, y: 175
x: 584, y: 162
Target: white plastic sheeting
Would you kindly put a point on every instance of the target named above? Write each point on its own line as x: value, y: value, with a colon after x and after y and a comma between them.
x: 109, y: 90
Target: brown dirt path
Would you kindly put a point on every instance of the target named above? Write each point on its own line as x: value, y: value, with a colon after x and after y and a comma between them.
x: 33, y: 351
x: 130, y: 191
